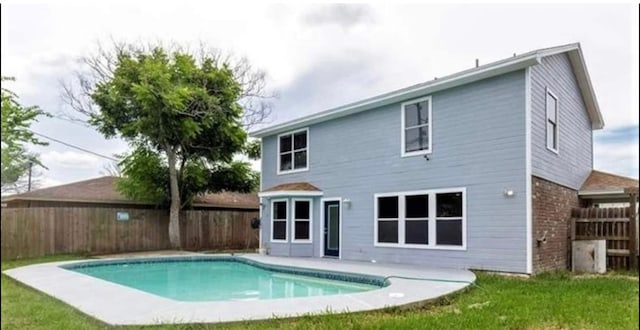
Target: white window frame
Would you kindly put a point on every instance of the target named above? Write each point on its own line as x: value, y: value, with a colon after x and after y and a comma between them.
x: 403, y: 129
x: 294, y: 219
x: 377, y: 219
x: 556, y: 132
x: 292, y: 170
x: 436, y: 218
x: 432, y: 219
x: 406, y: 219
x: 286, y: 227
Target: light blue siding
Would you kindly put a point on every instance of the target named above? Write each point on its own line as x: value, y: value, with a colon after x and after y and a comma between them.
x: 290, y: 249
x: 573, y: 163
x: 478, y: 143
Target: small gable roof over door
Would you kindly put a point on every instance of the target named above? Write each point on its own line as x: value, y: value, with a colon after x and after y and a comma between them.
x: 292, y: 189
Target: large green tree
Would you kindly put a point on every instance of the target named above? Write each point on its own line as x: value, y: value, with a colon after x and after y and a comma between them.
x: 184, y: 116
x: 16, y: 135
x: 146, y: 178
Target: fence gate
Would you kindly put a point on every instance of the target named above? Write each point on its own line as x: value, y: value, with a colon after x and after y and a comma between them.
x: 612, y: 225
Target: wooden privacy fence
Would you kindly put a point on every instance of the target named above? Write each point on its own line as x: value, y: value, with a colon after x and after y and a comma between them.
x: 217, y: 230
x: 34, y: 232
x: 613, y: 225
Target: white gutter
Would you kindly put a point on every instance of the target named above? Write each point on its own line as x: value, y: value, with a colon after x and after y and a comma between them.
x: 600, y: 192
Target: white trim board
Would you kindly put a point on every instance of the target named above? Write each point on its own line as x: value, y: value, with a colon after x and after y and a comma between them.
x: 528, y: 177
x: 261, y: 205
x: 600, y: 192
x: 282, y: 193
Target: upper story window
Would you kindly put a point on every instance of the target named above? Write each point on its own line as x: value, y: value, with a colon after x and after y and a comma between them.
x: 416, y: 127
x: 421, y: 219
x: 293, y: 151
x: 553, y: 133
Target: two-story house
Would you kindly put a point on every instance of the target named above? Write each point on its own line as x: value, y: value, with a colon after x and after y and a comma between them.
x: 474, y: 170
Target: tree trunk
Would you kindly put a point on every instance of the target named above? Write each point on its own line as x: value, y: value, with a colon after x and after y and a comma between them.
x: 174, y: 211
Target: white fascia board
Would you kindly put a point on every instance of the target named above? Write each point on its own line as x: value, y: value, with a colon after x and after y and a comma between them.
x: 289, y: 193
x: 586, y: 88
x: 558, y: 50
x: 600, y: 192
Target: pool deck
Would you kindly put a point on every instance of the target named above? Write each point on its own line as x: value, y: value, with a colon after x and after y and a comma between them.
x: 121, y: 305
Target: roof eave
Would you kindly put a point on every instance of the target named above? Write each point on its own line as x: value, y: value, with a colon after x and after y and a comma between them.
x: 404, y: 94
x: 222, y: 206
x: 593, y: 194
x: 72, y: 200
x: 301, y: 193
x: 586, y: 87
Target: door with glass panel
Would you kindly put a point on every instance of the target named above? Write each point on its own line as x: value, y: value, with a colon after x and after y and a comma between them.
x: 331, y: 228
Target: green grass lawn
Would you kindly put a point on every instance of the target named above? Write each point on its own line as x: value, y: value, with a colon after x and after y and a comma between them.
x: 548, y: 301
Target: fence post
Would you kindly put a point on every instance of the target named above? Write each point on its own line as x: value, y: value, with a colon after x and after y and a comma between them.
x: 573, y: 229
x: 633, y: 248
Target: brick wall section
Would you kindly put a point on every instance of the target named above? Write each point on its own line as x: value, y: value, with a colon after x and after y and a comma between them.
x: 551, y: 211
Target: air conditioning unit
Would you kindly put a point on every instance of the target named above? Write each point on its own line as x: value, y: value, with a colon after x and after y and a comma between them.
x: 589, y: 256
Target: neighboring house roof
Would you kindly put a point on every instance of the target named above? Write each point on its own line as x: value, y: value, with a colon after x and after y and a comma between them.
x: 607, y: 187
x: 292, y: 189
x: 514, y: 63
x: 102, y: 190
x: 98, y: 190
x: 603, y: 182
x: 229, y: 200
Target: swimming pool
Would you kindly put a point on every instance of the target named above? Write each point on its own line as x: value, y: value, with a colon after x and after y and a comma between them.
x: 118, y: 304
x: 213, y: 279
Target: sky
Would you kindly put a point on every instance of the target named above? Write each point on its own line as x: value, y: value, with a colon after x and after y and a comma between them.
x: 319, y: 56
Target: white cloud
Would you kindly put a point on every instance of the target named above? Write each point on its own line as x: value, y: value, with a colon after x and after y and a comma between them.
x: 48, y: 182
x: 70, y: 160
x: 344, y: 15
x: 619, y: 158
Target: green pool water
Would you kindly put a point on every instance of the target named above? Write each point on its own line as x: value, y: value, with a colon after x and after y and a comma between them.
x: 217, y: 280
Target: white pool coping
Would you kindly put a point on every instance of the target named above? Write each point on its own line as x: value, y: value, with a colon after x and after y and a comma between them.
x: 117, y: 304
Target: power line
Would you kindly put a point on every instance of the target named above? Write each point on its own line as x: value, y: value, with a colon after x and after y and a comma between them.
x: 75, y: 147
